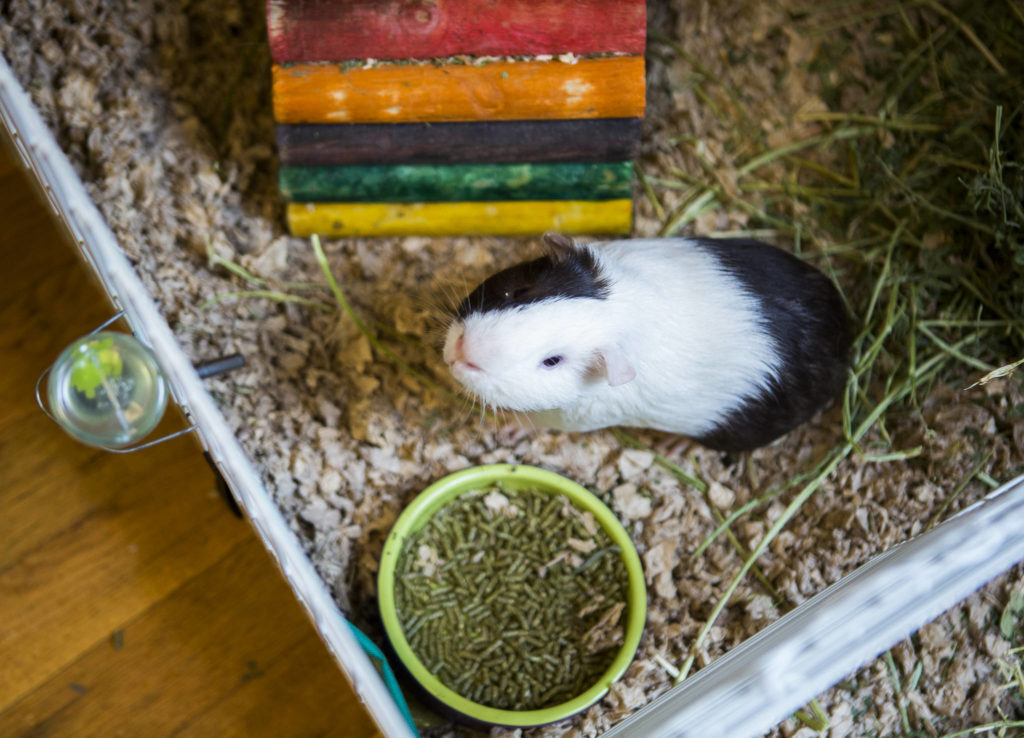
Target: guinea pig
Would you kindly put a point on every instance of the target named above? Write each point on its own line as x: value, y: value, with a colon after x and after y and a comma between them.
x: 732, y: 342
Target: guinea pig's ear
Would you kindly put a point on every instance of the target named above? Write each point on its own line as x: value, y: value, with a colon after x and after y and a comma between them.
x: 559, y: 246
x: 617, y: 367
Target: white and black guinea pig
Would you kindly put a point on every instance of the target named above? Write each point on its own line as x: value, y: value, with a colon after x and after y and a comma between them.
x: 732, y: 342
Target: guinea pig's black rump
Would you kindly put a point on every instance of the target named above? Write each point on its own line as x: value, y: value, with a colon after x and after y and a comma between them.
x: 805, y: 316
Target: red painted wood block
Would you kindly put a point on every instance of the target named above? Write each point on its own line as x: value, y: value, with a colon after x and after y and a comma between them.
x: 334, y: 30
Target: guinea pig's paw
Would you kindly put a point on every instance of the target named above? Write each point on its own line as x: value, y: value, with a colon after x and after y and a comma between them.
x: 673, y: 446
x: 513, y: 433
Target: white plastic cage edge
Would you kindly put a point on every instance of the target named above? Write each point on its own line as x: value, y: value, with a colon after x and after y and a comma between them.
x: 779, y: 670
x: 40, y: 153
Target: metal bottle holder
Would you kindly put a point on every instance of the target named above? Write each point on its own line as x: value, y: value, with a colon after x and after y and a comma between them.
x: 107, y: 390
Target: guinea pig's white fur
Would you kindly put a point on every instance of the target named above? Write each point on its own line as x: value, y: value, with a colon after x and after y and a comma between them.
x: 675, y: 345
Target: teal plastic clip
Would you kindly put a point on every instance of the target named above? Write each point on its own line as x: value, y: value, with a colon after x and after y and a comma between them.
x: 390, y: 681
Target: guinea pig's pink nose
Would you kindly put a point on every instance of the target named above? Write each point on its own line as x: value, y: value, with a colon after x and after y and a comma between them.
x: 460, y: 354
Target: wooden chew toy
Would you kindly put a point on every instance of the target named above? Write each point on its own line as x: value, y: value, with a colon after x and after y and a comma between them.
x: 455, y: 218
x: 582, y: 140
x: 435, y: 144
x: 329, y: 30
x: 439, y: 182
x: 610, y: 87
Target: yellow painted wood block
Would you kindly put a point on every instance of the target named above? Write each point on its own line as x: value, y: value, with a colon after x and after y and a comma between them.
x: 461, y: 218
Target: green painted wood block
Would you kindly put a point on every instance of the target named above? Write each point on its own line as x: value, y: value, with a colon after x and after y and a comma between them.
x: 458, y: 182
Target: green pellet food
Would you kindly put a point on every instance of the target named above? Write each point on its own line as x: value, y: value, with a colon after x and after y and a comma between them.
x: 514, y: 599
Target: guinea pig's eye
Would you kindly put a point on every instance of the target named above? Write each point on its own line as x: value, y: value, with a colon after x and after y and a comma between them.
x: 517, y: 293
x: 552, y: 361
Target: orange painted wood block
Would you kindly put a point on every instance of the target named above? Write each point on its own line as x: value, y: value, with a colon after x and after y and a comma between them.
x: 607, y: 87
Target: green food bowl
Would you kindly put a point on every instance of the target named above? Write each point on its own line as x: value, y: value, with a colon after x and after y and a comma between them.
x: 510, y: 478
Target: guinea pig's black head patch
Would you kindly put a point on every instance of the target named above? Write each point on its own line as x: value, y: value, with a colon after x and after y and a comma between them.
x: 565, y: 271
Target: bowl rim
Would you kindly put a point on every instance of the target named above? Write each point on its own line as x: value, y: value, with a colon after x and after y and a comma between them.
x: 432, y: 499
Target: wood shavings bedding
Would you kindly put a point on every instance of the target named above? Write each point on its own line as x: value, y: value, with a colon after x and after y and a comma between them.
x: 164, y: 109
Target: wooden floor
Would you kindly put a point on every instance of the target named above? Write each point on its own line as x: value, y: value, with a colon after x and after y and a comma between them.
x: 132, y: 601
